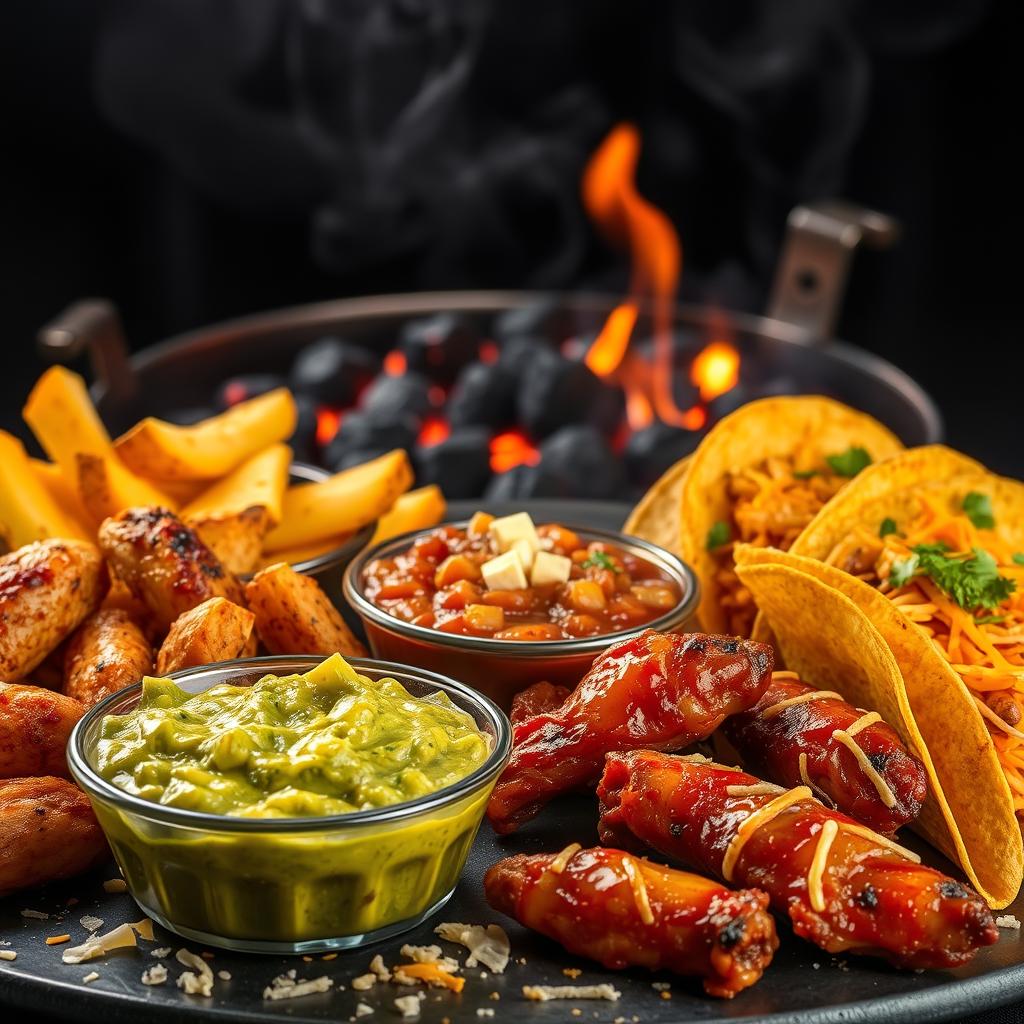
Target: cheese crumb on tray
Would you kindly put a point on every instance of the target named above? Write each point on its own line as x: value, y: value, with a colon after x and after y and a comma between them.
x: 543, y: 993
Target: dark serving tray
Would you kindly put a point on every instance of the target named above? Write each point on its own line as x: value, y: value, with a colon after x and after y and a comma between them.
x: 803, y: 985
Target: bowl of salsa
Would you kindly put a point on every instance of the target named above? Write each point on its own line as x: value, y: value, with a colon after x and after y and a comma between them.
x: 291, y: 804
x: 501, y: 603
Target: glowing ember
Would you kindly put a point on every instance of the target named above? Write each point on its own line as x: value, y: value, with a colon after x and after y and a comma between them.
x: 609, y: 347
x: 715, y: 370
x: 434, y: 431
x: 395, y: 363
x: 510, y: 450
x: 435, y: 395
x: 327, y: 422
x: 488, y: 352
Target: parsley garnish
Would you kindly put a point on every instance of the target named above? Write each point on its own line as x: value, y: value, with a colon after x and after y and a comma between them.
x: 978, y: 508
x: 850, y: 462
x: 1018, y: 558
x: 599, y: 560
x: 888, y: 526
x: 986, y: 620
x: 804, y: 474
x: 972, y: 581
x: 718, y: 535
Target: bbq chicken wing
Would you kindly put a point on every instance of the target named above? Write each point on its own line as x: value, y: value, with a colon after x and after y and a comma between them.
x: 796, y: 735
x: 164, y: 563
x: 106, y: 653
x: 657, y: 690
x: 845, y: 888
x: 626, y: 912
x: 540, y: 699
x: 46, y: 590
x: 35, y: 724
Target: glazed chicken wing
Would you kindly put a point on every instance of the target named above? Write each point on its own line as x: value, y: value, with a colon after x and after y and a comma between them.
x: 107, y: 652
x: 626, y: 912
x: 658, y: 690
x: 540, y: 699
x: 164, y: 562
x: 47, y: 832
x: 46, y: 590
x: 216, y: 630
x: 797, y: 735
x: 34, y: 727
x: 844, y: 887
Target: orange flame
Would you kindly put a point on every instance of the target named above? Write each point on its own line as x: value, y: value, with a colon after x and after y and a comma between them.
x: 395, y: 363
x: 512, y: 449
x: 715, y: 370
x: 609, y: 347
x: 327, y: 422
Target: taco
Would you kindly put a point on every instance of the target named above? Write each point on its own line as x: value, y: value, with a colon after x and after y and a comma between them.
x: 826, y: 621
x: 656, y: 517
x: 759, y: 477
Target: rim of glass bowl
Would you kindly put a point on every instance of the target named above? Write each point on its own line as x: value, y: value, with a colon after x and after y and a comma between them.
x: 682, y: 574
x: 93, y: 784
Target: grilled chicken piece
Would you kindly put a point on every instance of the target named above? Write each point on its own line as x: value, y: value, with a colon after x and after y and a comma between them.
x: 108, y: 652
x: 34, y: 729
x: 164, y: 562
x: 46, y: 590
x: 47, y: 832
x: 216, y: 630
x: 294, y: 616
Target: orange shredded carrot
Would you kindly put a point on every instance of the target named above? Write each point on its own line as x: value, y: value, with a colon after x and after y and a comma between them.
x: 433, y: 974
x: 56, y: 940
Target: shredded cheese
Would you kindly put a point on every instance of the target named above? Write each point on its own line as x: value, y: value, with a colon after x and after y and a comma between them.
x: 802, y: 762
x: 866, y: 833
x: 643, y: 903
x: 815, y: 889
x: 297, y: 989
x: 885, y: 794
x: 99, y: 945
x: 701, y: 759
x: 155, y: 975
x: 489, y: 946
x: 759, y: 789
x: 408, y: 1006
x: 760, y: 817
x: 542, y: 993
x: 802, y: 698
x: 8, y: 954
x: 199, y: 980
x: 863, y: 722
x: 559, y: 864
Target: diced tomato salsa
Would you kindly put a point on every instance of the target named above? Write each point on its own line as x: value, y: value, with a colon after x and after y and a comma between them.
x: 438, y: 583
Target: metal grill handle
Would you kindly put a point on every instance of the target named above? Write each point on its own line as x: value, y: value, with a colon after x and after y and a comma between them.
x: 810, y: 281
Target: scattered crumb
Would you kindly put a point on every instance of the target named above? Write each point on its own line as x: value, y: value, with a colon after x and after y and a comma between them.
x: 91, y: 923
x: 430, y: 955
x: 90, y: 977
x: 377, y: 967
x: 8, y: 954
x: 485, y: 1011
x: 576, y: 1011
x: 224, y: 975
x: 160, y: 953
x: 362, y: 1010
x: 57, y: 940
x: 207, y: 955
x: 542, y: 993
x: 660, y: 986
x: 364, y: 982
x: 155, y: 975
x: 117, y: 938
x: 36, y: 915
x: 816, y: 966
x: 329, y: 956
x: 572, y: 972
x: 666, y: 995
x: 199, y: 980
x: 1008, y: 921
x: 308, y: 959
x: 408, y: 1006
x: 287, y: 986
x: 72, y: 901
x: 521, y: 961
x: 488, y: 946
x: 115, y: 885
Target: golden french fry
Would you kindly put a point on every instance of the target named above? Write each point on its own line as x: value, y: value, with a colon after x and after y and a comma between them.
x: 61, y: 489
x: 61, y: 415
x: 28, y: 510
x: 415, y: 510
x: 259, y: 481
x: 212, y: 447
x: 344, y: 502
x: 106, y: 487
x: 236, y: 538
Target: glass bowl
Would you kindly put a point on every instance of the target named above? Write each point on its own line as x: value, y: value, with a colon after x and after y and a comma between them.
x: 292, y: 885
x: 501, y: 668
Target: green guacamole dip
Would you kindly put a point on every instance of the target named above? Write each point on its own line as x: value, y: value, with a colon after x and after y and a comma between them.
x: 328, y: 742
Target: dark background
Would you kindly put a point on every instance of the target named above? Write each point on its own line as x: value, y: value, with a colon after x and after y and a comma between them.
x: 108, y: 190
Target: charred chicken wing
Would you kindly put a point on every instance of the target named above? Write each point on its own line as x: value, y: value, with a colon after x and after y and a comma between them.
x: 46, y: 590
x: 164, y: 562
x: 657, y: 690
x: 796, y: 735
x: 34, y: 727
x: 844, y: 887
x: 107, y: 652
x: 626, y: 912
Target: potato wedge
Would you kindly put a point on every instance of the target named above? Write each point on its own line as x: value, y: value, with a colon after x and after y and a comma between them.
x: 61, y: 489
x: 212, y: 447
x: 28, y: 511
x: 414, y: 510
x: 236, y: 538
x: 65, y: 422
x: 294, y: 616
x: 34, y: 728
x: 106, y: 487
x: 344, y: 502
x: 259, y: 481
x: 216, y: 630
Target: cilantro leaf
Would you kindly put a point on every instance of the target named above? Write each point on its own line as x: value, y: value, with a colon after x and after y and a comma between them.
x: 1018, y: 558
x: 978, y: 508
x: 718, y: 535
x: 804, y: 474
x: 987, y: 619
x: 972, y: 581
x: 888, y: 526
x: 902, y: 569
x: 850, y: 462
x: 599, y: 560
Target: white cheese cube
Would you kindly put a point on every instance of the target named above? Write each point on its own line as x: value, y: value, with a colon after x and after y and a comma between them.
x: 549, y: 568
x: 509, y: 529
x: 525, y: 554
x: 504, y: 572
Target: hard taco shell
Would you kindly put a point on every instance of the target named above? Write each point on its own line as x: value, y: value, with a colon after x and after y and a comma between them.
x: 835, y: 629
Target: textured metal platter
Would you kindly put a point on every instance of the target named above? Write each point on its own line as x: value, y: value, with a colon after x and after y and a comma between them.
x: 802, y: 986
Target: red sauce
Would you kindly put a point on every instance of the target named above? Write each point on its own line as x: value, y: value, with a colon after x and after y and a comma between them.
x: 437, y: 583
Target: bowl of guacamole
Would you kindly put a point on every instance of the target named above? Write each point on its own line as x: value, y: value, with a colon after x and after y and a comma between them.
x: 291, y: 804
